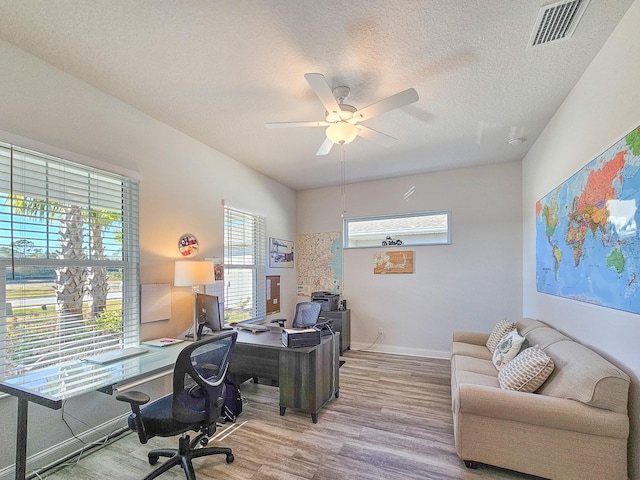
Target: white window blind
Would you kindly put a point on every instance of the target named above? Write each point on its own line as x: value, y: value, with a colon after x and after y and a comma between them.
x: 68, y: 260
x: 244, y: 264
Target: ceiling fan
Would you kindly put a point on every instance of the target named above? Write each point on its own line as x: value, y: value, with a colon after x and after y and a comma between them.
x: 343, y: 121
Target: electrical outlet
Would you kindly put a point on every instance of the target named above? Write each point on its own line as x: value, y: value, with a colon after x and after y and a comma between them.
x: 380, y: 331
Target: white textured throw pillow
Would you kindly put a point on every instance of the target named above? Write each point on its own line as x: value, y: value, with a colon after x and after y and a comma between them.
x: 507, y: 349
x: 500, y: 330
x: 527, y: 372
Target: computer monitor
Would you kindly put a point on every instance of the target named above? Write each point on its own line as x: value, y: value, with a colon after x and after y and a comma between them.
x: 208, y: 313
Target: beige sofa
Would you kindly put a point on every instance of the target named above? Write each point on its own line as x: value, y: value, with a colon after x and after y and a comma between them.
x: 575, y: 426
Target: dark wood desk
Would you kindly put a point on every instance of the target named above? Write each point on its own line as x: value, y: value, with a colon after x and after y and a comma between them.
x: 307, y: 376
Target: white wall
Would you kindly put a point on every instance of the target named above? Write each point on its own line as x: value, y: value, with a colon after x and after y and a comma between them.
x: 182, y: 185
x: 603, y: 106
x: 468, y: 285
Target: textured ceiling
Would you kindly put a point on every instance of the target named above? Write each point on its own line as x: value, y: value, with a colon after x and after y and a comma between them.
x: 218, y: 70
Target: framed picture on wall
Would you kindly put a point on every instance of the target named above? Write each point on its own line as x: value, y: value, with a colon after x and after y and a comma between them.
x: 280, y: 253
x: 396, y: 261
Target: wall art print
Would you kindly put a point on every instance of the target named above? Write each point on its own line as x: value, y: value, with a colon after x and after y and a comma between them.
x: 587, y: 239
x: 319, y: 263
x: 396, y: 261
x: 280, y: 253
x: 188, y: 245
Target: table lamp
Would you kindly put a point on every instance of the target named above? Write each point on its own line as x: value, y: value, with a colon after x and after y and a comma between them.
x: 193, y: 274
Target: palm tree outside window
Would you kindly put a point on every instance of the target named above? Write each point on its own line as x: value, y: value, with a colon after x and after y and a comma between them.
x: 68, y: 260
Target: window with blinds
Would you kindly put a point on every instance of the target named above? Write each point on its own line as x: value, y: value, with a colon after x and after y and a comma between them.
x: 244, y: 265
x: 68, y: 260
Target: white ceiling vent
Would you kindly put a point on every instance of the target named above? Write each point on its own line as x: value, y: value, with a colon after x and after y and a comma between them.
x: 557, y: 21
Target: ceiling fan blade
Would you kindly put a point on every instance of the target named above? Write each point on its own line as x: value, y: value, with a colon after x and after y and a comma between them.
x: 390, y: 103
x: 296, y: 124
x: 375, y: 136
x: 323, y: 91
x: 325, y: 148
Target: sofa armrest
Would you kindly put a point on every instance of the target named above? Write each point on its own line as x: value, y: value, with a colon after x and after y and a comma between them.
x: 543, y: 410
x: 474, y: 338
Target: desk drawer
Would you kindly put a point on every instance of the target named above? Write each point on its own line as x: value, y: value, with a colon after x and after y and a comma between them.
x: 341, y: 320
x: 255, y: 362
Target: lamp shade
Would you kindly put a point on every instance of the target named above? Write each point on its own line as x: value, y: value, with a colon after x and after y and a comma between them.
x: 188, y: 274
x: 342, y: 132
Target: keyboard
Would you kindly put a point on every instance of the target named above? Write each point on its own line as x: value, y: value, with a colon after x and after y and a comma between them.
x: 115, y: 355
x: 252, y: 327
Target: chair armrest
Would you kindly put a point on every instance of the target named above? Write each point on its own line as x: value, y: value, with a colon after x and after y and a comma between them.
x: 541, y: 410
x: 474, y: 338
x: 133, y: 397
x: 136, y: 399
x: 280, y: 321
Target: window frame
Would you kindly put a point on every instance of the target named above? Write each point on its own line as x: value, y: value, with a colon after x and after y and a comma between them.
x: 257, y: 241
x: 406, y: 242
x: 105, y: 198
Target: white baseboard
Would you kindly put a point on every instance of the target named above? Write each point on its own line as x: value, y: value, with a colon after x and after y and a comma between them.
x: 395, y: 350
x: 49, y: 456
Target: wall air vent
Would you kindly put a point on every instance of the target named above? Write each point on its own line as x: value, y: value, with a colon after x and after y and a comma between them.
x: 557, y: 21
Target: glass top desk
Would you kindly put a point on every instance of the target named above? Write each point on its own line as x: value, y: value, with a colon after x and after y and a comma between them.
x: 52, y: 385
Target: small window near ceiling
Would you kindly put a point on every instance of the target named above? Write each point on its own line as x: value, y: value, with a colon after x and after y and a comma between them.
x: 428, y: 228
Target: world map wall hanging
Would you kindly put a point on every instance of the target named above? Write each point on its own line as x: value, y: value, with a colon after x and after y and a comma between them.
x: 587, y: 238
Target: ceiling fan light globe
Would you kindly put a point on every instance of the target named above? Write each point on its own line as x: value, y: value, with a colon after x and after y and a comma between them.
x: 342, y: 132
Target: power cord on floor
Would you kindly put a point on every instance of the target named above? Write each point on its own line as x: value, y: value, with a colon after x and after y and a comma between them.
x: 367, y: 348
x: 74, y: 458
x: 69, y: 426
x: 105, y: 439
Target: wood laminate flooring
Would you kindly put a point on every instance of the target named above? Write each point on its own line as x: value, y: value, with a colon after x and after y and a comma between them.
x: 392, y: 421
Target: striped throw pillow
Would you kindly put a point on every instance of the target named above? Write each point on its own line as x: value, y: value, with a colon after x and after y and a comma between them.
x: 527, y: 371
x: 499, y: 331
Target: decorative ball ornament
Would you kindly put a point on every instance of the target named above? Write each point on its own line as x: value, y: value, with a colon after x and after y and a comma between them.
x: 188, y: 245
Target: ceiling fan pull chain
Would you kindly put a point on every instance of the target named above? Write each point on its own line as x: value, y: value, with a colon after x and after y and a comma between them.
x: 343, y: 181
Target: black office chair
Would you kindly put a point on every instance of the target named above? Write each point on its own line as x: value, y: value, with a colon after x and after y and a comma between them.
x: 195, y: 405
x: 306, y: 315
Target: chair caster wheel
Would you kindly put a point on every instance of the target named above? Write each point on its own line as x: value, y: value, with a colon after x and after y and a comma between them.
x: 204, y: 442
x: 230, y: 458
x: 153, y: 459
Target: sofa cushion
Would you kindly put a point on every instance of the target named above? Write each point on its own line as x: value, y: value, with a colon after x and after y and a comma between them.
x: 527, y: 371
x: 470, y: 350
x: 525, y: 325
x: 499, y: 330
x: 583, y: 375
x: 463, y: 363
x: 474, y: 378
x: 507, y: 349
x: 544, y: 337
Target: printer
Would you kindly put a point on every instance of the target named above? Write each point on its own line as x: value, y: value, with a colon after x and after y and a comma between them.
x: 327, y: 300
x: 300, y: 337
